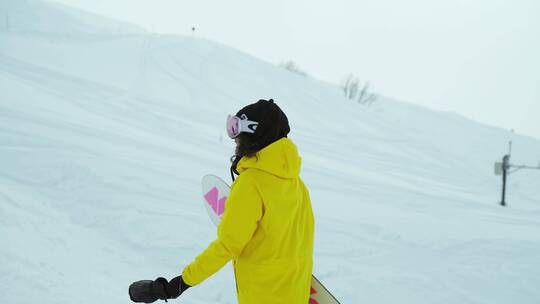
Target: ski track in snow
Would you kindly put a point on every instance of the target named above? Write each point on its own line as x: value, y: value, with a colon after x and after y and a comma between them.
x: 104, y: 138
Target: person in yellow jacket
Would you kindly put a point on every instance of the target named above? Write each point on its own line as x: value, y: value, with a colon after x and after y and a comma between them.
x: 267, y: 227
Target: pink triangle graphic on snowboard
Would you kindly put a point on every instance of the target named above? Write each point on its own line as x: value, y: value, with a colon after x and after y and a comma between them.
x: 211, y: 198
x: 221, y: 205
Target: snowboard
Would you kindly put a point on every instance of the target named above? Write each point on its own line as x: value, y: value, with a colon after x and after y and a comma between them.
x: 215, y: 192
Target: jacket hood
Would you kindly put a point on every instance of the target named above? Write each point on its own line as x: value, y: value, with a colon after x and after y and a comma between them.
x: 279, y: 158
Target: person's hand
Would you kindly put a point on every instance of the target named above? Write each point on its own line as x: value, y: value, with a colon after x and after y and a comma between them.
x: 148, y: 291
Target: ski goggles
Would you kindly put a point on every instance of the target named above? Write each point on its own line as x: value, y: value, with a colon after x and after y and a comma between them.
x: 237, y: 125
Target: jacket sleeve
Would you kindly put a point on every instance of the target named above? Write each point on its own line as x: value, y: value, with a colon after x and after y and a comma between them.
x: 243, y: 210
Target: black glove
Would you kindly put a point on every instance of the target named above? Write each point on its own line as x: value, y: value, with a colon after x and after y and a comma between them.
x: 148, y: 291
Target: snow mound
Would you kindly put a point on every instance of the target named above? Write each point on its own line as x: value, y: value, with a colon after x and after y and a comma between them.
x: 39, y: 17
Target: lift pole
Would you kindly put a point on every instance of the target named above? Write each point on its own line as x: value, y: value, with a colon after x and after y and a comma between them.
x: 503, y: 168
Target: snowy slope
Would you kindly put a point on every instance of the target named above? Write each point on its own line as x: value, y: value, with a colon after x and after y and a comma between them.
x: 30, y: 17
x: 104, y: 138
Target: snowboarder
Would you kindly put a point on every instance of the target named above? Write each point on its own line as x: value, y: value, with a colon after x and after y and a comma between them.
x: 267, y: 227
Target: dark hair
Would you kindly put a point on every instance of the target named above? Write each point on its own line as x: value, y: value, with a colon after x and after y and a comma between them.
x: 247, y: 147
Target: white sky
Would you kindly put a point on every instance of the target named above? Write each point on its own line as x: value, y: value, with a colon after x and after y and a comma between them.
x: 479, y: 58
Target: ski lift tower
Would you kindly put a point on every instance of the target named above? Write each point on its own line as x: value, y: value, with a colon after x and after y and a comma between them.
x: 503, y: 168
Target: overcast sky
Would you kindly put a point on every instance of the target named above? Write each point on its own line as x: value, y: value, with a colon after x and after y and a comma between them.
x: 479, y: 58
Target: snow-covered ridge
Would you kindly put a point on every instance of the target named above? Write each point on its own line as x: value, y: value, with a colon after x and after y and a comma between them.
x: 103, y: 143
x: 39, y: 17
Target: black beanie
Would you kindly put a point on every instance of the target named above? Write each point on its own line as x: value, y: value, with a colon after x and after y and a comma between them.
x: 273, y: 123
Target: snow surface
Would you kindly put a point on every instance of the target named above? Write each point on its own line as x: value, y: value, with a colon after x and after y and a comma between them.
x: 104, y: 137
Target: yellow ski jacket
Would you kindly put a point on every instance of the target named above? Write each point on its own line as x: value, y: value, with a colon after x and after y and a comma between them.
x: 267, y: 230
